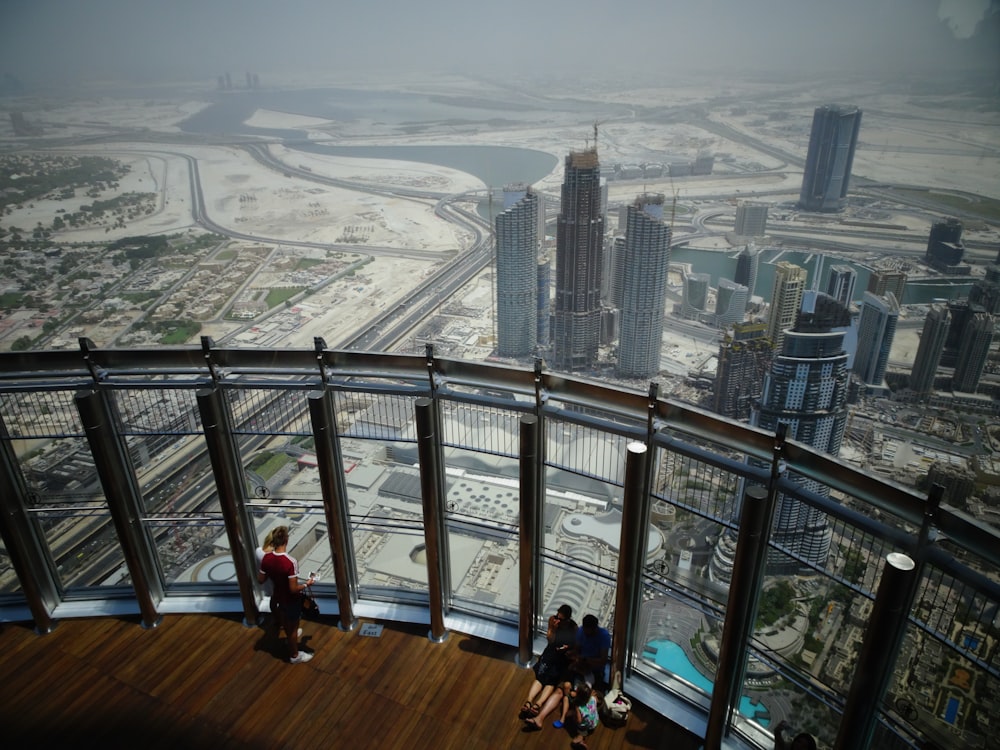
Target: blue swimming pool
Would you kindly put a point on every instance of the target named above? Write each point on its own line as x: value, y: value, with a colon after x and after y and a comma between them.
x: 671, y: 657
x: 951, y: 710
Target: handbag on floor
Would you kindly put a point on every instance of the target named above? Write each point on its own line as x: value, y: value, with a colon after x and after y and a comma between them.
x: 615, y: 706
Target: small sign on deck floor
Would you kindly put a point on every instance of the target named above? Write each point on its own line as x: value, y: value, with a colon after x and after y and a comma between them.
x: 371, y: 629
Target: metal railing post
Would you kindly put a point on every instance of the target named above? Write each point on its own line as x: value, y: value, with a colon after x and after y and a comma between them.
x: 635, y: 501
x: 30, y: 560
x: 540, y: 399
x: 330, y: 463
x: 878, y: 650
x: 743, y: 590
x: 227, y: 468
x: 121, y: 489
x: 530, y: 538
x: 433, y: 490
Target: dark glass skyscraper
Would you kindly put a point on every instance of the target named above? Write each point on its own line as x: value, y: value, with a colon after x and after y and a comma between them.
x: 747, y: 263
x: 973, y: 352
x: 841, y: 284
x: 944, y: 244
x: 579, y: 261
x: 827, y: 172
x: 876, y: 329
x: 985, y: 292
x: 928, y: 357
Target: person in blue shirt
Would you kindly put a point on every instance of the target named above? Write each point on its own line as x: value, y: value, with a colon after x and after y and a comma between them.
x: 593, y: 645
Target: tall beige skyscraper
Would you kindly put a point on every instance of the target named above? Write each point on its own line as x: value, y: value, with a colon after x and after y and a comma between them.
x: 786, y: 299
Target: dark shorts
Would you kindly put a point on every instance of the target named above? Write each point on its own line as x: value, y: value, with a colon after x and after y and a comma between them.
x: 292, y: 611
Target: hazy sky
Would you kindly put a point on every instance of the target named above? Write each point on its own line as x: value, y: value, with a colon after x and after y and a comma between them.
x: 197, y: 39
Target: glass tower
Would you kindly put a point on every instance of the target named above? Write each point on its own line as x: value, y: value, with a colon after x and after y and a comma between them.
x: 645, y: 262
x: 747, y: 263
x: 876, y: 329
x: 973, y: 352
x: 932, y: 338
x: 806, y: 390
x: 827, y: 172
x: 841, y: 283
x: 517, y: 273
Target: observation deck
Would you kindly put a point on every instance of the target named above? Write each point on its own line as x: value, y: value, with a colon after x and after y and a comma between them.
x: 432, y: 496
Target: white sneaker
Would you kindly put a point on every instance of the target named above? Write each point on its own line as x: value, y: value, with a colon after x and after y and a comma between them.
x: 302, y: 658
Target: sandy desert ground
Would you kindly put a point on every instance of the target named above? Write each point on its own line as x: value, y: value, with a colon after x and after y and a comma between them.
x: 246, y: 197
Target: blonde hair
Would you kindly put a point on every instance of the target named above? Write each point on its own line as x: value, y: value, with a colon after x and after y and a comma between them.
x: 268, y: 541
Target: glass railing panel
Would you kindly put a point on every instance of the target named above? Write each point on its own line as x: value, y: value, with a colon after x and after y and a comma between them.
x: 803, y: 649
x: 386, y: 515
x: 375, y: 416
x: 582, y: 525
x: 586, y: 451
x: 680, y: 619
x: 180, y: 507
x: 676, y: 642
x: 381, y: 464
x: 65, y: 499
x: 281, y: 476
x: 486, y: 429
x: 482, y: 519
x: 695, y: 509
x: 772, y: 693
x: 946, y: 682
x: 942, y: 692
x: 576, y: 574
x: 10, y: 584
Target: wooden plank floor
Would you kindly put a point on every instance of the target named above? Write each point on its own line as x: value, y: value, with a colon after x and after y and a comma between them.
x: 206, y: 681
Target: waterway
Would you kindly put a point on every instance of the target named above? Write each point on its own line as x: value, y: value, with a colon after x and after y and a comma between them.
x: 495, y: 166
x: 722, y: 264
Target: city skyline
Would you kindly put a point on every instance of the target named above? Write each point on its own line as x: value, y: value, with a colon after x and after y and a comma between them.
x: 367, y: 246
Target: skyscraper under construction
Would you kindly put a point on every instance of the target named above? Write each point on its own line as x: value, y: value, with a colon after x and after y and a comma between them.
x: 579, y: 261
x: 744, y: 355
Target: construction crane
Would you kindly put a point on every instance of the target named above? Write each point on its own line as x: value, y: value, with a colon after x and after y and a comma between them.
x: 596, y: 124
x: 673, y: 205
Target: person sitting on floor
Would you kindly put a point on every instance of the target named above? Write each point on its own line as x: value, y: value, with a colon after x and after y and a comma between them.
x: 558, y: 698
x: 593, y: 645
x: 552, y: 666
